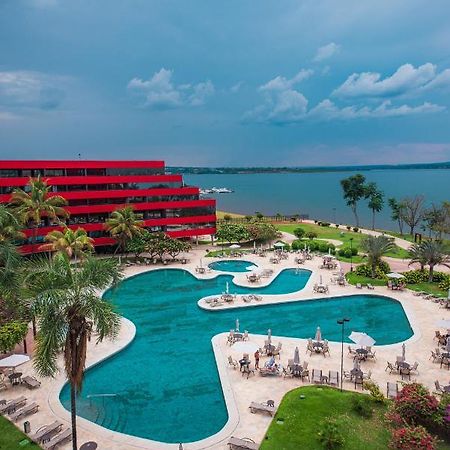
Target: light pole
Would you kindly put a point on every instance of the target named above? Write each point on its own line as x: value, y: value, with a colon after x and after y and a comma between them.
x: 342, y: 323
x: 334, y: 215
x: 351, y: 254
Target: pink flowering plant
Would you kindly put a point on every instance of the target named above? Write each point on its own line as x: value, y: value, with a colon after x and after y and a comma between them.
x: 412, y: 438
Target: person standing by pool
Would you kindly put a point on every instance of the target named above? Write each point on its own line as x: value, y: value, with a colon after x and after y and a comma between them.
x: 256, y: 359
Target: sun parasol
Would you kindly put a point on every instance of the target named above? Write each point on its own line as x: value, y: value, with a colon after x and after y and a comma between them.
x: 395, y: 275
x: 14, y: 360
x: 362, y: 339
x: 318, y: 336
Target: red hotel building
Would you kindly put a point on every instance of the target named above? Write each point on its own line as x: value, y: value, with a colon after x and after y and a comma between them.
x: 94, y: 189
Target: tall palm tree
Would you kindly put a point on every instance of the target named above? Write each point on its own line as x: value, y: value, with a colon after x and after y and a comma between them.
x: 68, y: 308
x: 123, y: 225
x: 430, y: 253
x: 417, y: 256
x: 73, y: 243
x: 9, y: 226
x: 376, y: 247
x: 32, y: 206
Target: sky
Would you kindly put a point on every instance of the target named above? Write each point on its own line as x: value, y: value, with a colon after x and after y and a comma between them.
x: 204, y: 83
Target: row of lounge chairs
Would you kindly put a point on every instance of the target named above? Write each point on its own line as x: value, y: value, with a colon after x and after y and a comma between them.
x: 368, y: 285
x: 17, y: 408
x: 250, y: 297
x: 50, y: 436
x: 331, y: 379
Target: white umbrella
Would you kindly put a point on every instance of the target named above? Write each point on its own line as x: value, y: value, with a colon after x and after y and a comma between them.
x: 404, y: 351
x: 269, y: 336
x: 245, y: 347
x: 254, y: 245
x: 362, y: 339
x: 227, y: 288
x: 201, y: 262
x: 320, y: 279
x: 235, y: 246
x: 279, y: 244
x: 237, y: 324
x: 443, y: 323
x: 296, y: 356
x: 14, y: 360
x: 447, y: 347
x: 318, y: 335
x: 251, y: 268
x: 395, y: 275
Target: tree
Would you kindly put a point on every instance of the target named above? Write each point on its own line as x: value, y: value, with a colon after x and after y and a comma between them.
x: 436, y: 219
x: 11, y: 333
x: 68, y: 308
x: 10, y: 227
x: 122, y: 225
x: 227, y: 218
x: 354, y: 190
x: 311, y: 235
x: 259, y: 215
x: 431, y: 253
x: 397, y: 212
x: 299, y: 232
x: 32, y: 206
x: 73, y: 243
x: 413, y: 211
x: 376, y: 247
x: 174, y: 247
x: 232, y: 233
x: 376, y: 200
x: 262, y: 231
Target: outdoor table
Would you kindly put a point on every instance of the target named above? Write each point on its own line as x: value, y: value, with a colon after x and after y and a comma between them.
x: 354, y: 373
x: 445, y: 355
x: 238, y: 336
x: 269, y: 349
x: 200, y: 270
x: 227, y: 297
x: 91, y: 445
x: 403, y: 365
x: 297, y: 370
x: 15, y: 378
x: 317, y: 346
x: 324, y: 379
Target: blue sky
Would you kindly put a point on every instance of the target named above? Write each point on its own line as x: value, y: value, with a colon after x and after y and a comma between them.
x: 240, y: 82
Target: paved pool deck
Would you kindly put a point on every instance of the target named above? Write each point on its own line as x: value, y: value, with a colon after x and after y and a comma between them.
x: 239, y: 391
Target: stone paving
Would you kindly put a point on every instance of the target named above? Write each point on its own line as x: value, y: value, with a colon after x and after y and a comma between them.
x: 240, y: 391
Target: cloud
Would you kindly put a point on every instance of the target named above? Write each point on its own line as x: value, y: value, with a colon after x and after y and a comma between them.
x: 160, y: 92
x: 407, y: 80
x: 326, y: 51
x: 236, y: 87
x: 280, y: 83
x: 6, y: 115
x: 27, y: 89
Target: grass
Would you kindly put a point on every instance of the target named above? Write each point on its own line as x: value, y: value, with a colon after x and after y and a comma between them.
x: 303, y: 418
x: 332, y: 232
x: 220, y: 214
x: 11, y: 436
x: 430, y: 288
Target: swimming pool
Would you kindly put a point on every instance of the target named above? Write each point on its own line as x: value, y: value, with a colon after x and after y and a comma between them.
x: 232, y: 265
x: 166, y: 380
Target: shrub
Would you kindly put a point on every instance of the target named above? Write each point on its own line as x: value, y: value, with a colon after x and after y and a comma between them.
x: 412, y: 438
x: 349, y: 227
x: 347, y: 252
x: 331, y: 436
x: 336, y: 225
x: 311, y: 235
x: 227, y: 218
x: 12, y: 333
x: 299, y: 232
x: 365, y: 270
x: 415, y: 276
x: 324, y: 224
x: 374, y: 390
x: 362, y: 407
x: 355, y: 229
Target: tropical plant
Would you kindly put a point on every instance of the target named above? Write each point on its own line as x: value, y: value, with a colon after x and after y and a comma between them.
x: 9, y: 226
x: 311, y: 235
x: 354, y: 190
x: 376, y: 247
x: 227, y: 218
x: 68, y: 309
x: 430, y: 253
x: 331, y: 435
x: 299, y: 232
x: 397, y: 212
x: 122, y: 225
x: 232, y: 233
x: 262, y: 231
x: 11, y: 333
x: 412, y: 438
x: 73, y: 243
x: 376, y: 200
x: 32, y: 206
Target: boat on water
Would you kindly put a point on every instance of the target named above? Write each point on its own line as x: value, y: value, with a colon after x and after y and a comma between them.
x: 215, y: 190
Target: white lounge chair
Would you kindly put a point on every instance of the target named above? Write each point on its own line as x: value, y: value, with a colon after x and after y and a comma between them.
x: 242, y: 444
x: 392, y: 390
x: 317, y: 376
x: 261, y: 407
x: 333, y: 378
x: 25, y: 411
x: 31, y: 382
x: 46, y: 432
x: 65, y: 435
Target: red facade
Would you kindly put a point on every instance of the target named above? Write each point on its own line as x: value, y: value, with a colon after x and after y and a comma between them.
x: 94, y: 189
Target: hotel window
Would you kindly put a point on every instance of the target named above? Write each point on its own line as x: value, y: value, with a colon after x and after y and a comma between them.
x: 135, y: 171
x: 75, y: 172
x: 95, y: 172
x: 54, y: 172
x: 8, y: 173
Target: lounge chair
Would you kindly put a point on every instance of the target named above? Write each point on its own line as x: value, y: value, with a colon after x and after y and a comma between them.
x: 46, y: 431
x: 246, y: 299
x: 242, y: 444
x: 262, y: 407
x: 333, y: 378
x: 65, y: 435
x: 391, y: 390
x: 232, y: 362
x: 435, y: 356
x: 414, y: 367
x: 391, y: 368
x: 31, y: 382
x: 370, y: 286
x: 351, y: 351
x: 445, y: 362
x: 12, y: 405
x: 317, y: 376
x: 439, y: 388
x: 358, y: 286
x: 367, y: 375
x: 25, y: 411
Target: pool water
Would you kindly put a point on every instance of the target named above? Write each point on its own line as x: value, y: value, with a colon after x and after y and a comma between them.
x: 166, y: 383
x: 231, y: 265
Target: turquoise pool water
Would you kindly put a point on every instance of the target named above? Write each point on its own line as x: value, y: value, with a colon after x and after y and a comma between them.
x: 166, y: 382
x: 231, y: 265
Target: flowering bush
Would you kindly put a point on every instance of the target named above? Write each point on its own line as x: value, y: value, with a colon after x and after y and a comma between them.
x: 412, y: 438
x: 365, y: 270
x: 414, y: 405
x: 374, y: 390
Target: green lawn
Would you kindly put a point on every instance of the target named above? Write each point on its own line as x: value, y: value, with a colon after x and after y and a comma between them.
x: 10, y: 437
x: 352, y: 278
x: 332, y: 232
x: 303, y: 418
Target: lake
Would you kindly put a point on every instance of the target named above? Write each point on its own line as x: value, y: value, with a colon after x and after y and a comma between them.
x: 320, y: 194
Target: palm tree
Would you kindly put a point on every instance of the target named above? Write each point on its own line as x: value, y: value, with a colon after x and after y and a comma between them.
x: 73, y: 243
x: 430, y: 253
x: 376, y: 247
x: 32, y: 206
x: 9, y: 226
x: 68, y: 308
x: 376, y: 200
x: 123, y: 225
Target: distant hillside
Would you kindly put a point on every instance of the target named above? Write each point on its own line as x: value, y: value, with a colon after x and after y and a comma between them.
x: 250, y: 170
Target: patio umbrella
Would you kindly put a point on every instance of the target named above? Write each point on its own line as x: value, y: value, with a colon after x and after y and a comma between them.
x: 320, y: 279
x: 318, y: 336
x: 201, y: 262
x: 254, y: 245
x: 269, y: 336
x: 279, y: 244
x: 14, y: 360
x: 234, y: 246
x: 404, y: 351
x: 362, y: 339
x: 245, y: 347
x: 448, y: 296
x: 356, y: 364
x: 395, y: 275
x: 237, y: 324
x: 443, y: 323
x: 447, y: 347
x: 296, y: 356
